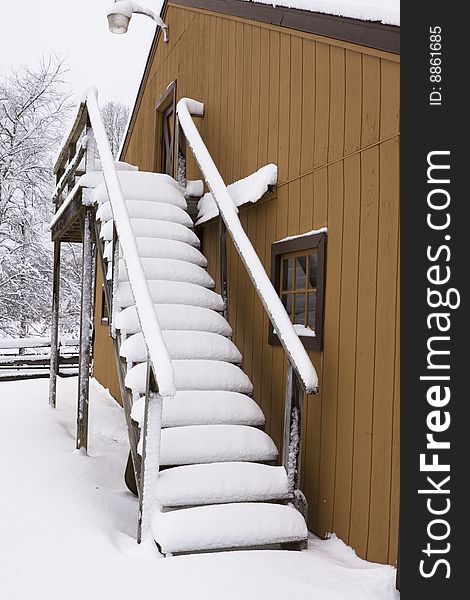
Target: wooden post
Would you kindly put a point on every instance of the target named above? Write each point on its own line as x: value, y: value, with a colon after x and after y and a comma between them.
x: 292, y: 437
x: 223, y: 264
x: 86, y: 327
x: 181, y: 155
x: 72, y: 150
x: 55, y: 327
x: 114, y: 282
x: 150, y: 466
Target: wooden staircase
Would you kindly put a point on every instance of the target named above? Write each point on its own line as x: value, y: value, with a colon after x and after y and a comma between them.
x: 207, y: 475
x: 217, y: 483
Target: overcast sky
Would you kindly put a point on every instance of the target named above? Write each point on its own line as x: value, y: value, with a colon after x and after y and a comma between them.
x: 77, y: 30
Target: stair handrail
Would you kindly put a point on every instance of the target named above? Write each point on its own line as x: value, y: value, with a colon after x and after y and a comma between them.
x: 297, y: 355
x: 149, y: 323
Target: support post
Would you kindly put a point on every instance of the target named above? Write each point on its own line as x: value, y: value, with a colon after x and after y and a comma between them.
x: 150, y: 466
x: 86, y: 327
x: 223, y: 264
x: 55, y: 326
x: 181, y: 155
x: 292, y: 437
x: 114, y: 282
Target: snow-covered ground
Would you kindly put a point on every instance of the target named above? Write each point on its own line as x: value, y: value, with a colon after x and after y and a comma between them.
x: 67, y: 522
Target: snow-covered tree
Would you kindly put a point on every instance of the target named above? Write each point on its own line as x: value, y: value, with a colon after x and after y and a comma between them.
x: 33, y: 106
x: 115, y: 117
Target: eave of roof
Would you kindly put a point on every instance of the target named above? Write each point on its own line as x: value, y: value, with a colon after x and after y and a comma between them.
x: 366, y: 33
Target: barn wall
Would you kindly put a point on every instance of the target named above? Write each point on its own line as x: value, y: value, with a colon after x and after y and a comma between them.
x: 327, y: 113
x: 104, y: 363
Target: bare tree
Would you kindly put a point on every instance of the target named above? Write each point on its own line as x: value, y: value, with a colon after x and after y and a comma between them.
x: 33, y: 106
x: 115, y: 117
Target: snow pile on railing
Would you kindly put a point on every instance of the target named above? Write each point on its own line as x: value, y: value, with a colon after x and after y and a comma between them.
x: 385, y: 11
x: 274, y: 308
x: 150, y: 326
x: 248, y: 189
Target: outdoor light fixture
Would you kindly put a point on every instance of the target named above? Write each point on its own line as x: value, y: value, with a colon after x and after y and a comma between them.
x: 121, y: 12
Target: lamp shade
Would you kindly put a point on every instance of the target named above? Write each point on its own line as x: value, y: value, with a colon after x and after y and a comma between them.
x: 118, y: 23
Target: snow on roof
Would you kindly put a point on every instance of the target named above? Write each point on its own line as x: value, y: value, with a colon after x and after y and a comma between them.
x: 385, y: 11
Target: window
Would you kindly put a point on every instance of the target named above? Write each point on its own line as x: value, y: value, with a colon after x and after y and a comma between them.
x: 165, y: 131
x: 297, y: 272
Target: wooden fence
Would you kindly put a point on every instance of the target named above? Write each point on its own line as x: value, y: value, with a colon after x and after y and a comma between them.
x: 27, y: 358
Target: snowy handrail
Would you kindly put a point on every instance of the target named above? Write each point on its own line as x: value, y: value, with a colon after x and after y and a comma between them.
x: 274, y: 308
x: 150, y: 326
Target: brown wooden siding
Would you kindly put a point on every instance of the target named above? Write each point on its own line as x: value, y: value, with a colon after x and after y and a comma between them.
x: 104, y: 366
x: 326, y: 113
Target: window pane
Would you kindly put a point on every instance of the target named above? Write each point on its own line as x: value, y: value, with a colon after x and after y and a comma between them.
x: 300, y: 272
x: 287, y: 301
x: 299, y: 316
x: 312, y: 309
x: 287, y: 274
x: 312, y: 269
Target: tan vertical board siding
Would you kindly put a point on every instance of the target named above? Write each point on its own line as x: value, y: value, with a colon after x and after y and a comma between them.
x: 312, y: 107
x: 365, y: 351
x: 330, y: 355
x: 379, y: 516
x: 251, y: 152
x: 387, y: 275
x: 260, y: 332
x: 104, y: 366
x: 353, y: 102
x: 315, y: 403
x: 347, y: 346
x: 395, y: 478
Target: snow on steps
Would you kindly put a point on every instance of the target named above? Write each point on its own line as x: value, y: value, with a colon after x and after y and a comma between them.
x: 177, y: 317
x: 195, y: 444
x: 159, y: 211
x: 163, y: 248
x: 139, y: 185
x: 211, y: 441
x: 173, y: 292
x: 153, y: 228
x: 196, y: 375
x: 170, y: 269
x: 185, y: 345
x: 205, y: 408
x: 218, y: 483
x: 227, y: 526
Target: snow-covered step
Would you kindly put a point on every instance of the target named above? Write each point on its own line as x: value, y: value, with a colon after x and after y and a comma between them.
x: 173, y: 292
x: 138, y: 185
x: 218, y: 483
x: 162, y: 248
x: 154, y: 228
x: 205, y: 408
x: 159, y: 211
x: 227, y: 526
x: 196, y: 375
x: 169, y: 269
x: 176, y: 316
x: 184, y: 345
x: 215, y: 443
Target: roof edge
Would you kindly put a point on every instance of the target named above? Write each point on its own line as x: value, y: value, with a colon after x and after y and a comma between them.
x: 371, y: 34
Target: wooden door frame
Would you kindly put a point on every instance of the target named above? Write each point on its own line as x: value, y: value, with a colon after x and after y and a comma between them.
x: 166, y: 100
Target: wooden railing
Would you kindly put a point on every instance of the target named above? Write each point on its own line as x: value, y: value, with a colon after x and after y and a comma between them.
x: 160, y: 375
x: 301, y: 375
